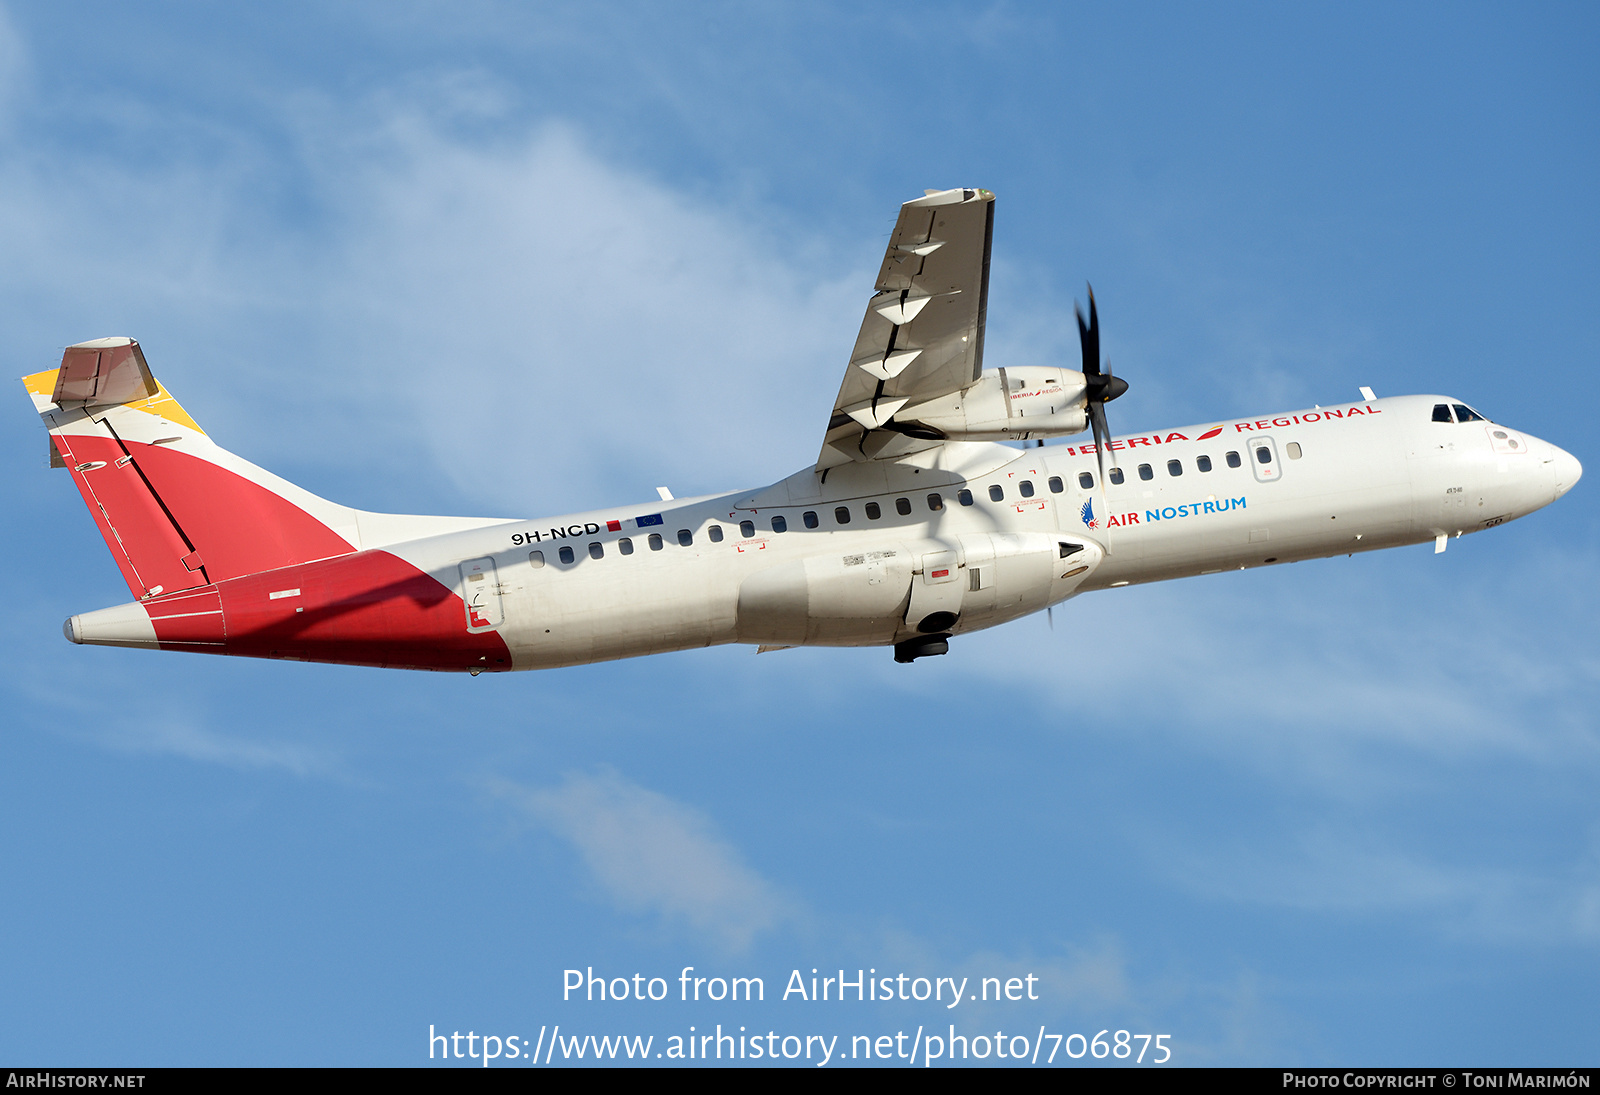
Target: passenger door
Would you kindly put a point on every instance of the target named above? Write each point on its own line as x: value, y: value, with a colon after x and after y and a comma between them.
x: 480, y: 591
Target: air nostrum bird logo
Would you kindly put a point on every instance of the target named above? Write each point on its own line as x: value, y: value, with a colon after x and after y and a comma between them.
x: 1088, y: 515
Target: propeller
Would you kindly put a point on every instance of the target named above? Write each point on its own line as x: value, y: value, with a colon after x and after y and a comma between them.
x: 1100, y: 388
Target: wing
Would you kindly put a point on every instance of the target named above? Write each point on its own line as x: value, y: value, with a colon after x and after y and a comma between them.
x: 923, y: 333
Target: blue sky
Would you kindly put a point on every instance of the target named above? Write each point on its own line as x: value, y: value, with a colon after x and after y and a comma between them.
x: 498, y: 259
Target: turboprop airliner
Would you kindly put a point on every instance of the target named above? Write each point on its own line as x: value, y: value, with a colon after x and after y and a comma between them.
x: 921, y: 520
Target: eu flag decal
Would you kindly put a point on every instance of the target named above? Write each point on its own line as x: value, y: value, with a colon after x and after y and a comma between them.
x: 647, y: 521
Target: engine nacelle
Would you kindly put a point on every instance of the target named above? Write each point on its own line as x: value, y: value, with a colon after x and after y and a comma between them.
x: 1004, y: 405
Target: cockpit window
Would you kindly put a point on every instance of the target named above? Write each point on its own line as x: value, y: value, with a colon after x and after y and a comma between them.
x: 1441, y: 412
x: 1465, y: 413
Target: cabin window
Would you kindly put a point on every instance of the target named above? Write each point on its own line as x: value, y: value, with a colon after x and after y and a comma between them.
x: 566, y: 555
x: 1233, y: 460
x: 685, y: 537
x: 1441, y: 412
x: 625, y: 545
x: 1203, y: 463
x: 996, y: 492
x: 1293, y: 449
x: 841, y: 514
x: 655, y: 541
x: 1026, y: 488
x: 1263, y: 455
x: 1055, y: 484
x: 536, y: 559
x: 1465, y: 413
x: 1174, y: 467
x: 902, y: 506
x: 715, y: 532
x: 780, y: 523
x: 964, y: 496
x: 747, y: 529
x: 1085, y: 480
x: 873, y: 512
x: 596, y: 551
x: 1115, y: 475
x: 810, y: 518
x: 1146, y: 472
x: 935, y: 502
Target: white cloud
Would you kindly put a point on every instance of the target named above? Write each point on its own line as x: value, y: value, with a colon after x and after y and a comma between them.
x: 550, y: 330
x: 652, y: 854
x: 1325, y: 662
x: 184, y: 739
x: 1088, y: 985
x: 558, y: 325
x: 1346, y: 869
x: 1091, y: 978
x: 176, y: 726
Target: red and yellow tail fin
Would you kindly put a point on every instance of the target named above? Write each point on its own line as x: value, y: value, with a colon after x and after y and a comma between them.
x: 176, y: 510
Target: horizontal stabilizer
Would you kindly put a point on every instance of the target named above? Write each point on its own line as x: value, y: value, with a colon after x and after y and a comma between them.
x: 104, y: 372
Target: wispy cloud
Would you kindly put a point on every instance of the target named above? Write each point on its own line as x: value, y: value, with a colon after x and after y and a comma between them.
x: 186, y: 739
x: 180, y: 725
x: 494, y: 304
x: 1349, y: 870
x: 1458, y: 662
x: 192, y: 742
x: 651, y: 854
x: 536, y: 299
x: 1088, y: 984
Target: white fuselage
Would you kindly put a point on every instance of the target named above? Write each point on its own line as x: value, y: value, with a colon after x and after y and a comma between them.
x: 592, y: 586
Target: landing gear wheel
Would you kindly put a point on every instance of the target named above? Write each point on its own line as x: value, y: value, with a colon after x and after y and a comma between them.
x: 923, y: 646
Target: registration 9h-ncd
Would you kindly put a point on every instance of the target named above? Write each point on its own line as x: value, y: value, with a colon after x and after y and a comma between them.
x: 921, y: 519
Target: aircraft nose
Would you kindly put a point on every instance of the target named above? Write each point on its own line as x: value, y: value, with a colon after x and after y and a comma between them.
x: 1568, y: 470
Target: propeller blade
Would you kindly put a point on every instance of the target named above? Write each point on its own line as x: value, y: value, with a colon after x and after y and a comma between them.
x: 1102, y: 440
x: 1102, y: 435
x: 1089, y: 336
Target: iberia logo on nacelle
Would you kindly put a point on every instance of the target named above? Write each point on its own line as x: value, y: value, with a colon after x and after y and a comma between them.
x: 1165, y: 513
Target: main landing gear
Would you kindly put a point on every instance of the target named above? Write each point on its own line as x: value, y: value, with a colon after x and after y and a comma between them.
x: 923, y: 646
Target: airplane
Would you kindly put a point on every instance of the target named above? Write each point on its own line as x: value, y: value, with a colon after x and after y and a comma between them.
x: 921, y: 519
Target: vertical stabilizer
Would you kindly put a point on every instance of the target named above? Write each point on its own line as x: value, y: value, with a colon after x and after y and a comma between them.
x: 176, y: 510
